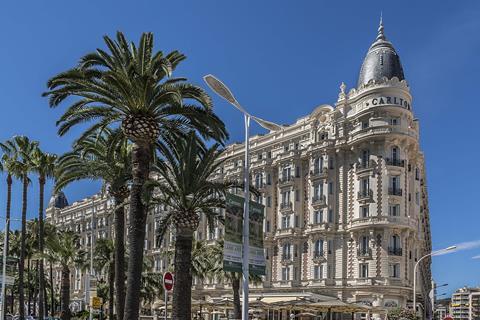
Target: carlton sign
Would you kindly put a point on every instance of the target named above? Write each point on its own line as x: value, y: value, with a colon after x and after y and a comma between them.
x: 381, y: 101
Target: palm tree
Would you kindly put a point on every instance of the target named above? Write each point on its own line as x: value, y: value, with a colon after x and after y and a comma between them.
x: 129, y: 85
x: 44, y: 165
x: 187, y: 189
x: 216, y: 256
x: 104, y: 155
x: 64, y: 249
x: 104, y: 264
x: 8, y: 160
x: 23, y: 148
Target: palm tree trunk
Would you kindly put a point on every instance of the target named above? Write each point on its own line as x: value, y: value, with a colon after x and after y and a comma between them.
x: 65, y: 293
x: 141, y: 159
x: 7, y: 226
x: 237, y: 309
x: 119, y: 257
x: 52, y: 290
x: 29, y: 288
x: 182, y: 291
x: 21, y: 267
x: 41, y: 274
x: 111, y: 285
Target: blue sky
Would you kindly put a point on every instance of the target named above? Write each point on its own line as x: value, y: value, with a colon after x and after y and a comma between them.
x: 282, y: 58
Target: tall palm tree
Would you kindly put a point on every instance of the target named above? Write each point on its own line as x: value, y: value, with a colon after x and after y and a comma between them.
x: 44, y: 165
x: 8, y: 160
x: 104, y: 155
x: 23, y: 148
x: 131, y: 85
x: 104, y: 264
x: 64, y: 248
x: 187, y: 189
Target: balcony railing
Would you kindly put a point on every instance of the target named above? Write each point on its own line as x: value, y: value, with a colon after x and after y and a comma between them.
x: 395, y: 162
x: 365, y: 194
x: 285, y: 205
x: 318, y: 254
x: 286, y: 257
x: 395, y: 191
x: 365, y: 165
x: 286, y: 179
x: 318, y: 171
x: 394, y: 251
x: 320, y: 199
x: 364, y: 252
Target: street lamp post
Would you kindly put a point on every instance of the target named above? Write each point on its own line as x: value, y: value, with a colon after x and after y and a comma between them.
x: 433, y: 253
x: 223, y: 91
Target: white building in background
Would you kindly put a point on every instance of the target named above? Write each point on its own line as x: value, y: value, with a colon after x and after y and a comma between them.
x: 466, y: 304
x: 345, y: 195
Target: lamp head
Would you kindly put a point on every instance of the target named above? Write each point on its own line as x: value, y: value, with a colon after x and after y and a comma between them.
x: 220, y: 88
x: 451, y: 248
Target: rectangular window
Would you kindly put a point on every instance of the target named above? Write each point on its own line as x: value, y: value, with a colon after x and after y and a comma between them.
x: 285, y: 148
x: 330, y: 188
x: 329, y: 246
x: 297, y: 221
x: 260, y: 156
x: 363, y: 270
x: 269, y: 154
x: 269, y: 201
x: 365, y: 124
x: 285, y: 273
x: 394, y: 121
x: 330, y: 215
x: 269, y: 179
x: 364, y: 211
x: 394, y: 210
x: 318, y: 272
x: 330, y: 163
x: 297, y: 171
x: 297, y: 195
x: 268, y: 225
x: 318, y: 216
x: 395, y: 270
x: 330, y: 271
x: 286, y: 222
x: 417, y: 198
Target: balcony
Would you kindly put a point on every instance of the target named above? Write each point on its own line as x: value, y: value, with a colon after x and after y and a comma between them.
x: 285, y: 180
x: 395, y: 162
x: 392, y: 251
x: 395, y: 192
x: 286, y: 206
x: 365, y: 194
x: 318, y: 173
x: 364, y: 252
x: 365, y: 166
x: 319, y: 200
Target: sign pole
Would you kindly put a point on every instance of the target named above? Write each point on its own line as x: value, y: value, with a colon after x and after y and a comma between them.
x: 166, y: 303
x: 167, y: 286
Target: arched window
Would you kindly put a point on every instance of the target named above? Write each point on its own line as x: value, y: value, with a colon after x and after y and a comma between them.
x: 395, y: 242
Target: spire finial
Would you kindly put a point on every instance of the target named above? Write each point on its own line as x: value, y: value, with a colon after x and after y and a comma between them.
x: 381, y: 35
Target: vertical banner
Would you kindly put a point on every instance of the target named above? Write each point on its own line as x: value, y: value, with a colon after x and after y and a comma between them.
x: 232, y: 250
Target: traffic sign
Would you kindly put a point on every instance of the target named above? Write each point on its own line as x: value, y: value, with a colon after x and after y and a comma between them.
x: 168, y: 281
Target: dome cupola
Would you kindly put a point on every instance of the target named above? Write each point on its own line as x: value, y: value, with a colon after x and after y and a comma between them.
x: 58, y: 200
x: 381, y: 61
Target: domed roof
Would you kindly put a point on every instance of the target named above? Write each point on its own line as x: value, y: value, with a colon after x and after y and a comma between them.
x: 381, y: 61
x: 58, y: 200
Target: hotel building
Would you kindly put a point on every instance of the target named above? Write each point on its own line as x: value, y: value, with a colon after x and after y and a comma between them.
x: 345, y: 195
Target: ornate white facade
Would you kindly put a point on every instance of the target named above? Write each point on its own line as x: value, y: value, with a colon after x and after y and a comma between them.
x: 345, y: 195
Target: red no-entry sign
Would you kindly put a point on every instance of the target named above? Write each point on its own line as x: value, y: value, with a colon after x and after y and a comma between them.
x: 168, y: 281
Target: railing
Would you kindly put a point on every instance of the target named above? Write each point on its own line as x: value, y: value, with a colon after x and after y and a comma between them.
x: 318, y: 254
x: 286, y: 257
x: 365, y: 194
x: 394, y: 251
x: 365, y: 165
x: 395, y: 191
x: 319, y: 199
x: 395, y: 162
x: 364, y: 252
x: 318, y: 171
x: 285, y: 179
x: 285, y: 206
